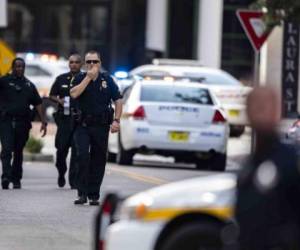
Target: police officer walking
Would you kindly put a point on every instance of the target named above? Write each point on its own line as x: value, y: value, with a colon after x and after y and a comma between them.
x: 17, y: 94
x: 60, y: 93
x: 268, y: 191
x: 94, y: 93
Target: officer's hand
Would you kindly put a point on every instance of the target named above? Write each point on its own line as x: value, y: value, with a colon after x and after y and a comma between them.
x: 61, y: 101
x: 115, y: 127
x: 92, y: 73
x: 43, y: 129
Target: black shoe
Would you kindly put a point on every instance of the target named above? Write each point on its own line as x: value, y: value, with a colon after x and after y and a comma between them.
x: 94, y: 202
x: 61, y: 181
x: 81, y: 200
x: 17, y: 184
x: 5, y: 183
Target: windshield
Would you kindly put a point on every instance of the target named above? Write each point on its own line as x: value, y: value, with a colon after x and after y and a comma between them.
x: 177, y: 94
x: 214, y: 78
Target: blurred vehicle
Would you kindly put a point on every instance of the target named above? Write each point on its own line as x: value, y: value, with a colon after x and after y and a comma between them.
x: 42, y: 69
x: 231, y: 93
x: 187, y: 215
x: 171, y: 119
x: 293, y: 133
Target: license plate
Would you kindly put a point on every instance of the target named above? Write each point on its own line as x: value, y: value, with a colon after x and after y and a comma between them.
x: 178, y: 136
x: 234, y: 112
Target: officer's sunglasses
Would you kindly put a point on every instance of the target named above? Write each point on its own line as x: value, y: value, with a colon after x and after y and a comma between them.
x: 92, y: 61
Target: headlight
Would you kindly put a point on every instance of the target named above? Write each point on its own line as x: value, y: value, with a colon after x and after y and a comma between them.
x: 136, y: 208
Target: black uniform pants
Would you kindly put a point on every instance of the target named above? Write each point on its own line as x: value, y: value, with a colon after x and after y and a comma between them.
x: 63, y: 142
x: 13, y: 137
x: 91, y: 146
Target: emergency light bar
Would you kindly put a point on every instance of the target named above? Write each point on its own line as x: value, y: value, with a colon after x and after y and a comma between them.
x: 176, y: 62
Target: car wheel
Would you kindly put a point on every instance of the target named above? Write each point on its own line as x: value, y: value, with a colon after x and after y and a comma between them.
x: 111, y: 157
x: 216, y: 162
x: 236, y: 131
x: 194, y: 236
x: 124, y: 157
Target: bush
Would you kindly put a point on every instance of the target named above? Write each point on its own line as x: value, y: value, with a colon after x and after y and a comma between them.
x: 34, y: 145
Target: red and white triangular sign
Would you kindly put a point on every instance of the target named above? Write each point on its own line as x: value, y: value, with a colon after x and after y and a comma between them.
x: 254, y: 26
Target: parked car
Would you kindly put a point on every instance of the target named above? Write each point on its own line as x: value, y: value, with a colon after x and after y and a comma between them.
x: 190, y: 214
x: 171, y: 118
x: 231, y: 93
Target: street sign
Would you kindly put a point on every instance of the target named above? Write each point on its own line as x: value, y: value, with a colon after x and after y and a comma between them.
x: 3, y: 13
x: 6, y: 57
x: 254, y: 26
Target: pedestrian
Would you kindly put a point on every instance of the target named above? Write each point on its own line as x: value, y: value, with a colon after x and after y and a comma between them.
x: 60, y: 93
x: 268, y: 191
x: 17, y: 94
x: 94, y: 93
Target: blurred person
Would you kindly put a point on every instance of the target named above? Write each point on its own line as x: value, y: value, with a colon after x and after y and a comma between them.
x: 94, y: 92
x: 268, y: 207
x: 60, y: 93
x: 17, y: 95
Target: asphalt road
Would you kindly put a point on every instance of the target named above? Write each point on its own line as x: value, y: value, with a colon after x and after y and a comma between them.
x: 41, y: 216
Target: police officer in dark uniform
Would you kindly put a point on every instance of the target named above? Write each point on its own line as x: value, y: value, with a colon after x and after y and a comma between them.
x: 60, y: 93
x: 94, y: 93
x: 17, y: 95
x: 268, y: 204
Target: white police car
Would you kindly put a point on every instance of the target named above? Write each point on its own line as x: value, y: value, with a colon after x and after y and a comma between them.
x: 171, y: 118
x: 231, y: 93
x: 191, y: 214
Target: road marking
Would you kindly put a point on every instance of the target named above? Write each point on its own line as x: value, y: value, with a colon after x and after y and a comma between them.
x: 139, y: 177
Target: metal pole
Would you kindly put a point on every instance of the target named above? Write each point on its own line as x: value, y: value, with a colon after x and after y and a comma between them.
x: 255, y: 84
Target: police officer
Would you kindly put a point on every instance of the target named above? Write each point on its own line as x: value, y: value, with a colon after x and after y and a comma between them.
x: 60, y: 93
x: 268, y: 206
x: 94, y: 93
x: 17, y: 94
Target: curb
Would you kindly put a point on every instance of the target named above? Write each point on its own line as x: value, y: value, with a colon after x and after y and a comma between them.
x: 38, y: 157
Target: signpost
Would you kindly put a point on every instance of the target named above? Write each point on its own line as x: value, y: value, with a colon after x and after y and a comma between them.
x: 256, y: 31
x: 3, y: 13
x: 6, y: 57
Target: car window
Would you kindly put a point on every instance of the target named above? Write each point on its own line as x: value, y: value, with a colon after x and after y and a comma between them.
x: 215, y: 78
x: 126, y: 93
x: 35, y: 70
x: 171, y: 93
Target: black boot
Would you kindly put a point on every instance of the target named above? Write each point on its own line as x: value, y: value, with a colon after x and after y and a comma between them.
x: 81, y: 200
x: 5, y: 183
x: 17, y: 184
x: 61, y: 181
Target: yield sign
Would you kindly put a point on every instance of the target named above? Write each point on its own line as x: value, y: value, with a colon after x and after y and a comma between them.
x: 254, y: 26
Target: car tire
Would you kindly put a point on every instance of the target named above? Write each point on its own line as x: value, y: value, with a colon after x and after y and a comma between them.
x: 111, y: 157
x: 216, y: 163
x: 123, y: 157
x: 194, y: 236
x: 236, y: 131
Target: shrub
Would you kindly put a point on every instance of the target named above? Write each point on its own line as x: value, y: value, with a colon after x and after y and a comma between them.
x: 34, y: 145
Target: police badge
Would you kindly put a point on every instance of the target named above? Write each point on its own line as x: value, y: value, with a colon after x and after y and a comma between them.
x: 104, y: 84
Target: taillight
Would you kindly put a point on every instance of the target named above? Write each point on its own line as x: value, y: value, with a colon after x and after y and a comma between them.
x: 218, y: 117
x: 139, y: 113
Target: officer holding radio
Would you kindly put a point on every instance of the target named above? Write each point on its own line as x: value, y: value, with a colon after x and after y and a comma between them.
x: 17, y: 95
x: 94, y: 92
x: 60, y: 93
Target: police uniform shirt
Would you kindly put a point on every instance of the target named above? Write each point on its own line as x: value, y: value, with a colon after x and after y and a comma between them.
x: 98, y: 94
x: 61, y: 87
x: 17, y: 94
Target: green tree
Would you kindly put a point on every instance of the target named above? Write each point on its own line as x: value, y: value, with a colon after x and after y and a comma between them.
x: 278, y: 10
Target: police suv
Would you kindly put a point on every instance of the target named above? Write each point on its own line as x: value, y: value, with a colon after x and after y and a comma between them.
x: 171, y: 118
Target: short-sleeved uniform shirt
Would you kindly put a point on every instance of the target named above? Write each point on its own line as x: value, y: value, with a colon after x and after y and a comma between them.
x: 62, y: 85
x: 17, y: 94
x: 98, y: 95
